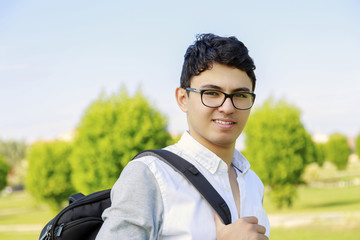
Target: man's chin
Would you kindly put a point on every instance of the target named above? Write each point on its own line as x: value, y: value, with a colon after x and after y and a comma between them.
x: 224, y: 142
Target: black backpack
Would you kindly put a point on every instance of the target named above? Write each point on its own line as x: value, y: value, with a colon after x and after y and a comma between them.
x: 81, y: 219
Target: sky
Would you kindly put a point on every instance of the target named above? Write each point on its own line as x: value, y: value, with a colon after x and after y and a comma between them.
x: 57, y: 57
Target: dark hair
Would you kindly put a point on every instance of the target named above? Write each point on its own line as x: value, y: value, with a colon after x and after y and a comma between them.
x: 209, y: 49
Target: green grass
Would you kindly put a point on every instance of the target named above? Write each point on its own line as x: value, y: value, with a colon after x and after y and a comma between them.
x: 320, y: 200
x: 317, y: 200
x: 19, y: 235
x: 309, y: 233
x: 21, y: 208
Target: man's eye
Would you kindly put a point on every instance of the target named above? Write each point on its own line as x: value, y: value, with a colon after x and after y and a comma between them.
x: 211, y: 93
x: 241, y: 95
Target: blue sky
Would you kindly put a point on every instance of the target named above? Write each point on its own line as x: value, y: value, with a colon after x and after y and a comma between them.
x: 56, y: 57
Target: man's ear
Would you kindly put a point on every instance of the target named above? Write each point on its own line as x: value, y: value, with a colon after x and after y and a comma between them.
x: 182, y: 98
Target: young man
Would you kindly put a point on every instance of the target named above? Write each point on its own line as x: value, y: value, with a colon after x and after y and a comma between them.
x: 152, y: 201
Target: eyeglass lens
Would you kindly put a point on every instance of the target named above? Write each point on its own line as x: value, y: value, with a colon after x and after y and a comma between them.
x: 240, y: 100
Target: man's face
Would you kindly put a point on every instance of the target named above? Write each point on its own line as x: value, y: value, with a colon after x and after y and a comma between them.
x: 221, y: 126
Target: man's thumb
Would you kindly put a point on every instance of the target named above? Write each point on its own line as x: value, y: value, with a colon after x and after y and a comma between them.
x: 219, y: 224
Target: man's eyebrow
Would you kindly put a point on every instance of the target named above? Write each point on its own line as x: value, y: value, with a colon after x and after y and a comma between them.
x: 242, y: 89
x: 211, y: 86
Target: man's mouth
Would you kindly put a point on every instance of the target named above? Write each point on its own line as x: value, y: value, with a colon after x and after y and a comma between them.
x: 224, y: 122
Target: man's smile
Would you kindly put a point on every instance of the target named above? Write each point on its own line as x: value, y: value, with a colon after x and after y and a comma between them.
x: 224, y: 122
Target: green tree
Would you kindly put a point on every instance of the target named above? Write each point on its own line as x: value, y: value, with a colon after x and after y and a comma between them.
x: 4, y: 169
x: 338, y: 150
x: 279, y: 147
x: 357, y: 145
x: 111, y: 132
x: 49, y: 172
x: 13, y: 151
x: 14, y: 154
x: 320, y: 153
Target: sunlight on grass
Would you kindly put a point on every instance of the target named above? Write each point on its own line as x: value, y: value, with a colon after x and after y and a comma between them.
x: 320, y: 200
x: 21, y: 208
x: 310, y: 233
x: 19, y: 235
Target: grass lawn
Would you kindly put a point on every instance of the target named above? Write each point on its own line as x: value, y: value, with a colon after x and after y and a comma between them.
x: 320, y: 200
x: 309, y: 233
x: 20, y: 208
x: 19, y: 235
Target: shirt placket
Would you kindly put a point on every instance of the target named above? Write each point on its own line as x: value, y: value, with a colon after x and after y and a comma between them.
x: 227, y: 193
x: 242, y: 190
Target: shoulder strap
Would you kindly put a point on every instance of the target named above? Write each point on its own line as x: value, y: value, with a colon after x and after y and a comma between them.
x: 191, y: 173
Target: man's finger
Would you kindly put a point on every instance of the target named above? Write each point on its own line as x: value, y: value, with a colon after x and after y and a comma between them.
x: 251, y: 219
x: 218, y: 222
x: 260, y: 229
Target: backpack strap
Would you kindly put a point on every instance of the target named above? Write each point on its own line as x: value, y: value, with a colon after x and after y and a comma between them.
x: 75, y: 197
x: 198, y: 180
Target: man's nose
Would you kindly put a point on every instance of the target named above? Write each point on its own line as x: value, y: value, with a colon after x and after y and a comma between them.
x: 227, y: 106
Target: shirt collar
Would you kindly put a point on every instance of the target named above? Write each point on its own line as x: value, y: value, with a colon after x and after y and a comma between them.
x: 240, y: 162
x: 208, y: 159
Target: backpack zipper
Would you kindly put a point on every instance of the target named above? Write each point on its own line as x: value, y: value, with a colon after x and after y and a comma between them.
x: 51, y: 231
x: 65, y: 226
x: 60, y: 228
x: 46, y: 235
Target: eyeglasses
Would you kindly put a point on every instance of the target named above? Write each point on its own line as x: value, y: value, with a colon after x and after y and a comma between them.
x: 216, y: 98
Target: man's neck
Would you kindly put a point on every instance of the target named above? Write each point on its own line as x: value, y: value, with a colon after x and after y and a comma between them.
x: 225, y: 153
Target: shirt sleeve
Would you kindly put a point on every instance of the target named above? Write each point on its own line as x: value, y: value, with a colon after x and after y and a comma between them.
x: 136, y: 210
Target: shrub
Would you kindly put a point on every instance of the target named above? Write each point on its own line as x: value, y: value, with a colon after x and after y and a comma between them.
x: 338, y: 150
x: 4, y: 169
x: 49, y: 171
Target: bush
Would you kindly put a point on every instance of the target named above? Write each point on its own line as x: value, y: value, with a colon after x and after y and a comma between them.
x: 14, y: 154
x: 338, y: 150
x: 357, y: 145
x: 320, y: 153
x: 111, y: 132
x: 4, y: 169
x: 49, y: 171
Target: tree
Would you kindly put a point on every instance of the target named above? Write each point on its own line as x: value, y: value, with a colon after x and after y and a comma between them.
x: 14, y: 154
x: 4, y: 169
x: 320, y: 153
x: 111, y: 132
x: 279, y: 147
x: 13, y: 151
x: 338, y: 150
x: 357, y: 145
x: 49, y: 172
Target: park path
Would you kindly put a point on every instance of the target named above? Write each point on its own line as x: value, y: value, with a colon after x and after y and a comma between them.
x: 302, y: 219
x: 21, y: 228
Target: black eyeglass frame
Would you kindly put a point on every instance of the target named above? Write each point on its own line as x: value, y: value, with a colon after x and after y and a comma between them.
x: 201, y: 91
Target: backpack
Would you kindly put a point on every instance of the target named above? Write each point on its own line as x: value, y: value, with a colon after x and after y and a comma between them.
x: 81, y: 219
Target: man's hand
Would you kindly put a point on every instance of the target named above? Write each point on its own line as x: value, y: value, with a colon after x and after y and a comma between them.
x: 246, y: 228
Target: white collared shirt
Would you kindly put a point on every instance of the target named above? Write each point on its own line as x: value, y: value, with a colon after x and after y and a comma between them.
x: 177, y: 210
